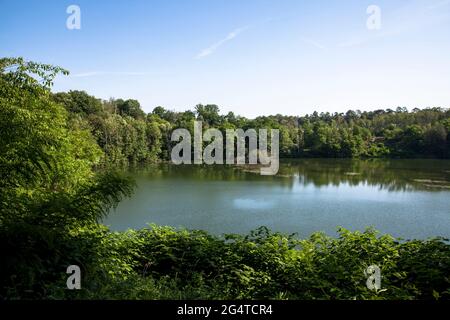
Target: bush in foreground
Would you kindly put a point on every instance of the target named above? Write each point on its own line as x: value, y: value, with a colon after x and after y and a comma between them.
x: 165, y: 263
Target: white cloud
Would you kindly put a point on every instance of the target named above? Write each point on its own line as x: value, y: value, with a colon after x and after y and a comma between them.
x: 206, y: 52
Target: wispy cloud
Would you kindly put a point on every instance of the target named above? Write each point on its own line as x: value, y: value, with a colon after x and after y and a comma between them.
x: 233, y: 34
x: 313, y: 43
x: 106, y: 73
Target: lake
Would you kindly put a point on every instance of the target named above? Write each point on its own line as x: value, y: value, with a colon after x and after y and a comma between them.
x: 405, y: 198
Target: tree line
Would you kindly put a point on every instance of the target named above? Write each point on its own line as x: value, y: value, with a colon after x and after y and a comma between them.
x: 127, y: 134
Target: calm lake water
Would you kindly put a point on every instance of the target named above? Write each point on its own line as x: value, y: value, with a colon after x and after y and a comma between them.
x: 405, y: 198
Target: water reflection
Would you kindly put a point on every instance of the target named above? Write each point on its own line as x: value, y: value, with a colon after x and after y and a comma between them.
x: 390, y: 175
x: 252, y: 204
x: 405, y: 198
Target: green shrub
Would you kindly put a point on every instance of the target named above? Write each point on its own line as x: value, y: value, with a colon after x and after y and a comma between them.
x: 165, y: 263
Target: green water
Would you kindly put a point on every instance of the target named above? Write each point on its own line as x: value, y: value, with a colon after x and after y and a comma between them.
x: 405, y: 198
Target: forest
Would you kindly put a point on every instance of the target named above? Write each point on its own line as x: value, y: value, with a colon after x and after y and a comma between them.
x: 58, y: 153
x: 127, y: 135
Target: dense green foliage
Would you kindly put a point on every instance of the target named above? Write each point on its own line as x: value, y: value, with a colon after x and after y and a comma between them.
x: 127, y: 135
x: 51, y: 200
x: 163, y: 263
x: 47, y: 186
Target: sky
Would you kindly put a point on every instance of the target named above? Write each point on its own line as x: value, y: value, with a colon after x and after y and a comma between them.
x: 252, y: 57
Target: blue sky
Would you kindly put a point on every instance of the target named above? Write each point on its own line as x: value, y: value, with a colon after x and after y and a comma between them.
x: 253, y: 57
